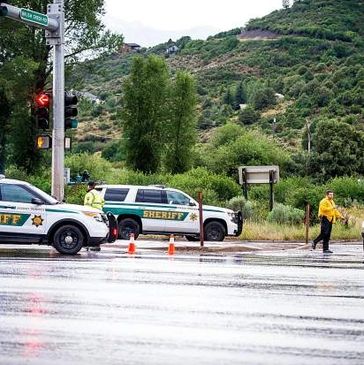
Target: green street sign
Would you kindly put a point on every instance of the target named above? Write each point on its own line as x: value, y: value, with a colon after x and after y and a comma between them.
x: 34, y: 17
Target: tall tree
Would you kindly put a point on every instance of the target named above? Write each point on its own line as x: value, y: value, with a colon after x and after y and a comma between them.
x: 144, y: 112
x: 240, y: 96
x: 4, y: 123
x: 337, y: 150
x: 182, y: 124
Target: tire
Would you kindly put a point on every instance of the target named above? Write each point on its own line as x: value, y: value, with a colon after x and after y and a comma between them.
x: 127, y: 226
x: 214, y: 231
x: 192, y: 238
x: 68, y: 240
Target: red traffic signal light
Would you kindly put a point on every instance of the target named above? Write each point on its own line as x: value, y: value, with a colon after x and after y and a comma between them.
x: 41, y: 109
x: 42, y: 100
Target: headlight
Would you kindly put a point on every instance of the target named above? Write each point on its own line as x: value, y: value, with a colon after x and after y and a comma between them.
x: 232, y: 216
x: 96, y: 216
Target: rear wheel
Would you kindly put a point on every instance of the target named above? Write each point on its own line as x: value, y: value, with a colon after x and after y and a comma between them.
x: 214, y: 231
x: 128, y: 226
x: 68, y: 240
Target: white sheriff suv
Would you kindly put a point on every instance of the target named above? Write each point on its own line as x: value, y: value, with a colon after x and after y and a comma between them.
x: 159, y: 210
x: 30, y: 216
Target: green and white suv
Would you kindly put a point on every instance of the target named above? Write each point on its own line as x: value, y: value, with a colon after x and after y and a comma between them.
x: 30, y: 216
x: 160, y: 210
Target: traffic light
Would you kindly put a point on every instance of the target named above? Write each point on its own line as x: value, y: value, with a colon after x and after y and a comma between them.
x: 43, y: 142
x: 70, y: 110
x: 3, y: 10
x: 42, y: 101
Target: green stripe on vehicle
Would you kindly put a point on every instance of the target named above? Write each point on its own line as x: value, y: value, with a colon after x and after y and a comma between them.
x: 148, y: 213
x: 61, y: 211
x: 7, y: 219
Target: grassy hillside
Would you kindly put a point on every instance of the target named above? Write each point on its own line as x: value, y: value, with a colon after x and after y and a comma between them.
x: 315, y: 62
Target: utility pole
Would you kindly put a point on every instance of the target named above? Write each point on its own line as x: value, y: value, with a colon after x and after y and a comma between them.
x: 53, y: 24
x: 56, y: 39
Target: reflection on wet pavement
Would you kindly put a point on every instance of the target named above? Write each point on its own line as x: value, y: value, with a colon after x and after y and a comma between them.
x: 295, y: 306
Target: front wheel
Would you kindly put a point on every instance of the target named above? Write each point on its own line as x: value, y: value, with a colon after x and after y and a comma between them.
x: 214, y: 231
x: 68, y: 240
x: 128, y: 226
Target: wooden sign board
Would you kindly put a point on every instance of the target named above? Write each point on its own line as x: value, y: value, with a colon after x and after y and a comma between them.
x: 258, y: 174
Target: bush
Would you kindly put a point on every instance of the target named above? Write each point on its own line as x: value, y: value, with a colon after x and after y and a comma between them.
x: 201, y: 179
x: 286, y: 214
x: 347, y: 190
x: 240, y: 203
x: 98, y: 168
x: 75, y: 194
x: 248, y: 116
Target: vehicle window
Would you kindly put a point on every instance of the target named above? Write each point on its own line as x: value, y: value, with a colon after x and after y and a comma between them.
x: 15, y: 193
x: 174, y: 197
x: 149, y: 196
x: 116, y: 194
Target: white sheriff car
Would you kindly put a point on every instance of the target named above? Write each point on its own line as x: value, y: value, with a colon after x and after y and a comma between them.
x: 160, y: 210
x: 29, y: 215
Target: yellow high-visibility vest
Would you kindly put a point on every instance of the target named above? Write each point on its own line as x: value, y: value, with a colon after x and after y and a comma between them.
x: 94, y: 199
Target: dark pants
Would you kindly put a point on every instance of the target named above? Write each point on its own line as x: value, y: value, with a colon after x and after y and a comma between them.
x: 326, y: 227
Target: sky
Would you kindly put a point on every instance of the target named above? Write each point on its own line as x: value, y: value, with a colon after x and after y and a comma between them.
x: 150, y: 22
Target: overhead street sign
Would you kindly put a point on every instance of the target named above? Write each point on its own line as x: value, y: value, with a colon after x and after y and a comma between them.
x: 34, y: 17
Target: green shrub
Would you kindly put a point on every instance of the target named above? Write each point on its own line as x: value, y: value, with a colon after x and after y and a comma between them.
x: 201, y: 179
x: 98, y: 168
x: 240, y: 203
x: 75, y: 194
x: 347, y: 190
x: 286, y: 214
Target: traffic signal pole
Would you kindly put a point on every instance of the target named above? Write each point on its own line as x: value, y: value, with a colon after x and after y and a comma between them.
x: 53, y: 24
x: 56, y: 39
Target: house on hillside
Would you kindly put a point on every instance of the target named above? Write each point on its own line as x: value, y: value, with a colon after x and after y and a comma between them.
x: 172, y: 49
x: 130, y: 47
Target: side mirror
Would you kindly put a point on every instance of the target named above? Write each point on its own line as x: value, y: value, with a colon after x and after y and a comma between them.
x: 192, y: 204
x: 37, y: 201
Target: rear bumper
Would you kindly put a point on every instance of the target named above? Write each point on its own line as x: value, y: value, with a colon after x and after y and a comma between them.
x: 113, y: 228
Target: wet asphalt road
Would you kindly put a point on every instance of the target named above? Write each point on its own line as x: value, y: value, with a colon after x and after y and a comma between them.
x: 283, y: 307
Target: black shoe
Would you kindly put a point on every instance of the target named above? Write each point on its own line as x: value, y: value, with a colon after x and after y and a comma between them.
x: 327, y: 251
x: 96, y: 248
x: 313, y: 245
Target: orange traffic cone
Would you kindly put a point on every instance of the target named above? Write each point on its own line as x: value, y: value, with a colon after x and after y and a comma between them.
x: 171, y: 248
x: 131, y: 248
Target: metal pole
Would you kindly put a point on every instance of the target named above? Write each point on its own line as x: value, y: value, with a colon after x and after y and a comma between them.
x: 307, y: 222
x: 245, y: 184
x: 271, y: 193
x: 200, y: 210
x: 58, y: 110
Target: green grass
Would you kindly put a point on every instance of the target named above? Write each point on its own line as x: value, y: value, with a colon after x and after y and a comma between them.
x: 286, y: 232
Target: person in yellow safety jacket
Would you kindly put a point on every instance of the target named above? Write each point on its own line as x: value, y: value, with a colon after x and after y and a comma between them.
x: 328, y: 215
x: 95, y: 200
x: 92, y: 197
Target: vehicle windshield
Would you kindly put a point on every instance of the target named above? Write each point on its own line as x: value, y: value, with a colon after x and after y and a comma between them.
x: 49, y: 199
